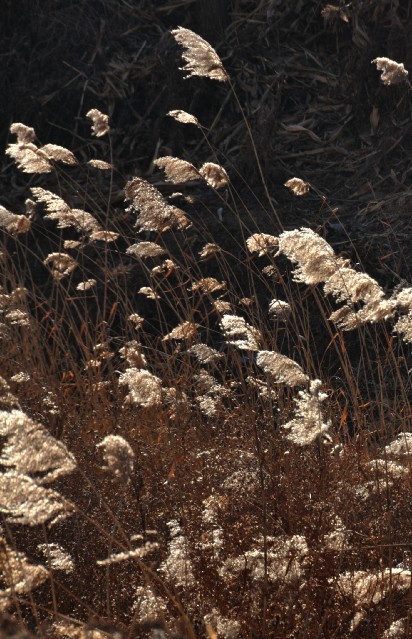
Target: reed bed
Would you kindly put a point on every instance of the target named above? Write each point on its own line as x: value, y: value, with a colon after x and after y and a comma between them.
x: 197, y: 440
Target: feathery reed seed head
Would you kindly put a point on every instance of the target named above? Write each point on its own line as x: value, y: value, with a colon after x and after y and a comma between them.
x: 239, y: 333
x: 61, y: 264
x: 100, y: 122
x: 201, y: 59
x: 205, y: 354
x: 315, y: 257
x: 282, y: 368
x: 30, y: 449
x: 154, y: 213
x: 298, y: 186
x: 308, y: 426
x: 57, y: 557
x: 214, y: 174
x: 145, y: 389
x: 18, y: 575
x: 392, y: 72
x: 24, y: 501
x: 177, y: 171
x: 13, y: 223
x: 25, y: 134
x: 183, y: 117
x: 119, y: 457
x: 186, y: 330
x: 146, y: 249
x: 279, y: 309
x: 262, y: 243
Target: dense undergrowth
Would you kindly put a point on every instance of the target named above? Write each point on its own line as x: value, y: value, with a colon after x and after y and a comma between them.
x: 202, y: 436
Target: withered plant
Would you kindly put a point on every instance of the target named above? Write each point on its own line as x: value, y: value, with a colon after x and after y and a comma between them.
x: 197, y: 439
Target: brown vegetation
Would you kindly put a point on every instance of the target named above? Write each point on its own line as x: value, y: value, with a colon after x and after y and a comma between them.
x: 206, y: 428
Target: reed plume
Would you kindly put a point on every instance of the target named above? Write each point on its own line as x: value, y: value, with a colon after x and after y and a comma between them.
x: 392, y: 72
x: 201, y: 59
x: 100, y: 122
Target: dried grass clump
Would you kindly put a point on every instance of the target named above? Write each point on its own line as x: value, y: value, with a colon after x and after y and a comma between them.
x: 25, y: 134
x: 217, y: 625
x: 338, y: 537
x: 351, y: 286
x: 186, y: 330
x: 210, y: 250
x: 28, y: 158
x: 222, y: 307
x: 346, y: 284
x: 178, y: 566
x: 403, y: 301
x: 87, y: 285
x: 401, y: 447
x: 58, y: 154
x: 399, y: 629
x: 318, y: 263
x: 102, y: 353
x: 209, y: 393
x: 100, y: 164
x: 150, y: 607
x: 132, y: 353
x: 138, y: 553
x: 179, y: 171
x: 8, y: 401
x: 136, y: 319
x: 146, y: 249
x: 286, y: 558
x: 386, y: 469
x: 206, y: 384
x: 201, y: 59
x: 149, y: 292
x: 31, y: 450
x: 208, y: 285
x: 13, y: 309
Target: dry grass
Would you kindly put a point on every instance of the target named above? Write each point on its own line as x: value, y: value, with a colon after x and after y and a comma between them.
x: 195, y: 442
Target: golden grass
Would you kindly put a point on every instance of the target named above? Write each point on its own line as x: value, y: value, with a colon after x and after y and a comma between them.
x: 196, y: 442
